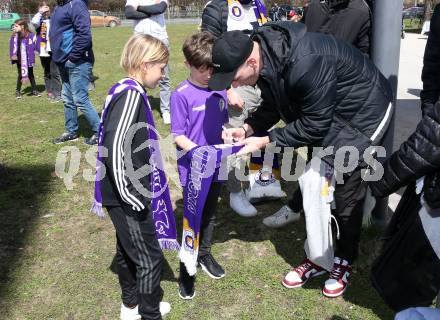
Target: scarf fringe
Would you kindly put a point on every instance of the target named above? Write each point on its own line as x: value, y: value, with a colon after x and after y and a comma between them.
x: 169, y: 244
x: 97, y: 209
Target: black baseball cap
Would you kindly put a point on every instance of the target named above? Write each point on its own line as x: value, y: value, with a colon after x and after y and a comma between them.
x: 229, y: 52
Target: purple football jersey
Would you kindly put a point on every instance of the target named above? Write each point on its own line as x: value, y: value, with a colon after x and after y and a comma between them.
x: 199, y: 114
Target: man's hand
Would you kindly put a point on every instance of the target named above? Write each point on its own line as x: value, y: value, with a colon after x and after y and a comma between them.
x: 253, y: 144
x: 234, y: 99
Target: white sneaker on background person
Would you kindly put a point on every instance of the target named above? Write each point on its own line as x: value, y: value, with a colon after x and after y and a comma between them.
x: 263, y: 186
x: 166, y: 117
x: 281, y: 218
x: 241, y: 205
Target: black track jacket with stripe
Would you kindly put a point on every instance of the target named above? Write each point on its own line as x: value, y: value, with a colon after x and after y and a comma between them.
x: 127, y: 177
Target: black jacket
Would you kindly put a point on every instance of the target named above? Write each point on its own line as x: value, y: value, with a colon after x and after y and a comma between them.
x: 417, y: 157
x: 120, y: 187
x: 348, y: 20
x: 431, y: 64
x: 215, y: 17
x: 326, y: 91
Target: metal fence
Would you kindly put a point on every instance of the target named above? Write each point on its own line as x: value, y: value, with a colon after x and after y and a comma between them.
x: 173, y: 13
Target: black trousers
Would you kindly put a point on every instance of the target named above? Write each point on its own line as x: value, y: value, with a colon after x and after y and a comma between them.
x: 139, y: 260
x: 349, y: 200
x: 208, y: 219
x: 52, y: 78
x: 30, y: 76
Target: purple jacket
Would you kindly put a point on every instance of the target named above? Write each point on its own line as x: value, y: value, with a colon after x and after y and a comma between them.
x: 29, y: 42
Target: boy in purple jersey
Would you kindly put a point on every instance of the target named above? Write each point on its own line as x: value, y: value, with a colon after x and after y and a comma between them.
x: 197, y: 117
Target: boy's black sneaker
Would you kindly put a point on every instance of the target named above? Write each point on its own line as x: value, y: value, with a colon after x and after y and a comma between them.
x: 35, y: 93
x: 186, y: 284
x: 93, y: 140
x: 17, y: 95
x: 211, y: 267
x: 65, y: 137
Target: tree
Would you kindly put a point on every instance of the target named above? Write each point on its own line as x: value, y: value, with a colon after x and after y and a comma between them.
x: 5, y: 5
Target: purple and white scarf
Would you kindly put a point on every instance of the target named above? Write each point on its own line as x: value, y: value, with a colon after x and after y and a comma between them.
x: 204, y: 162
x: 24, y: 61
x: 260, y: 11
x: 162, y: 210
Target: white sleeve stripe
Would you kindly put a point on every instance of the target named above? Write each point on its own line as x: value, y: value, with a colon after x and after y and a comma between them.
x: 117, y: 159
x: 118, y: 152
x: 124, y: 125
x: 132, y: 113
x: 137, y: 205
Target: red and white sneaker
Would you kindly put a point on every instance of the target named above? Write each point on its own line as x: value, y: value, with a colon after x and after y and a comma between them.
x: 337, y: 283
x: 301, y: 274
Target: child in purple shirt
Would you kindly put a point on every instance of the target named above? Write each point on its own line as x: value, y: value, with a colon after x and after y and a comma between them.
x: 22, y: 53
x: 197, y: 117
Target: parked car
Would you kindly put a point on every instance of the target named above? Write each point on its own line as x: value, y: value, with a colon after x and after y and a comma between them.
x: 7, y: 20
x: 413, y: 13
x: 101, y: 19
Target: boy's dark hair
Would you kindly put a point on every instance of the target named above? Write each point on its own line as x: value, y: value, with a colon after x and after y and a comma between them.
x: 197, y: 49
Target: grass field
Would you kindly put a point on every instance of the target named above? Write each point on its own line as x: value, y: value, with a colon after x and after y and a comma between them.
x: 56, y: 257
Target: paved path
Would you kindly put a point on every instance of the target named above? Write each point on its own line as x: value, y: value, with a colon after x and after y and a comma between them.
x: 408, y: 112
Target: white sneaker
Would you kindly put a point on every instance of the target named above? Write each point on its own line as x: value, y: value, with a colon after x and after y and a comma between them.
x: 164, y: 308
x: 281, y: 218
x: 129, y: 314
x: 133, y: 314
x: 241, y: 205
x: 263, y: 186
x: 166, y: 117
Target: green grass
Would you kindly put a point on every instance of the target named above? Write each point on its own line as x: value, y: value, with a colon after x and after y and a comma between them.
x: 55, y: 256
x: 414, y: 24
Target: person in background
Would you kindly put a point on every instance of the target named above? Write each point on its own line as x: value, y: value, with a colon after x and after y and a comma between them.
x: 295, y: 15
x: 417, y: 157
x: 149, y: 18
x: 406, y: 273
x: 431, y: 65
x: 22, y: 53
x: 348, y: 20
x: 71, y: 44
x: 52, y: 79
x: 218, y: 17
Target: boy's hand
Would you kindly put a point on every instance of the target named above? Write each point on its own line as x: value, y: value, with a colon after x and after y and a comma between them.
x: 234, y: 99
x: 14, y: 58
x: 44, y: 9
